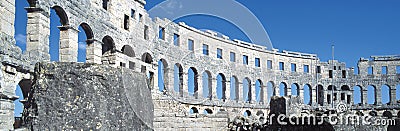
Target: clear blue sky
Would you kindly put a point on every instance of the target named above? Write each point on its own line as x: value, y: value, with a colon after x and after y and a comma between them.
x: 358, y: 28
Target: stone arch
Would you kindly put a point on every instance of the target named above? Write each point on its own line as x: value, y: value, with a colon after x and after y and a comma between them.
x: 357, y: 95
x: 320, y: 95
x: 295, y: 89
x: 246, y: 89
x: 178, y: 79
x: 331, y: 94
x: 193, y: 77
x: 371, y: 94
x: 234, y: 88
x: 307, y: 94
x: 207, y: 84
x: 128, y: 51
x: 221, y: 86
x: 259, y: 90
x: 147, y: 58
x: 270, y: 90
x: 387, y: 114
x: 22, y: 90
x: 247, y: 113
x: 85, y: 39
x: 260, y: 113
x: 345, y: 94
x: 283, y: 90
x: 88, y: 32
x: 193, y: 110
x: 62, y: 15
x: 108, y: 45
x: 163, y: 79
x: 385, y: 94
x: 208, y: 111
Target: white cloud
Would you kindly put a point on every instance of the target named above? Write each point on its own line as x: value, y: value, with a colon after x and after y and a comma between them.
x: 20, y: 39
x: 82, y: 45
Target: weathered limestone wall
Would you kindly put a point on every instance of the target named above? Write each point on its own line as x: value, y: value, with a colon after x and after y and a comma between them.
x: 74, y: 96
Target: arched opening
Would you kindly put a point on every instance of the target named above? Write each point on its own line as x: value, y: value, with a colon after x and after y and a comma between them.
x: 387, y: 114
x: 162, y: 75
x: 307, y: 94
x: 398, y: 93
x: 385, y: 94
x: 20, y: 23
x: 357, y: 95
x: 128, y: 51
x: 260, y: 113
x: 221, y: 86
x: 295, y: 89
x: 208, y: 111
x: 207, y: 83
x: 371, y: 94
x: 234, y: 88
x: 178, y: 79
x: 85, y: 37
x: 320, y: 95
x: 246, y: 89
x: 270, y: 91
x: 259, y: 91
x: 193, y: 82
x: 247, y: 113
x: 56, y: 14
x: 283, y: 89
x: 147, y: 58
x: 193, y: 110
x: 345, y: 94
x: 331, y: 94
x: 108, y: 46
x: 22, y: 90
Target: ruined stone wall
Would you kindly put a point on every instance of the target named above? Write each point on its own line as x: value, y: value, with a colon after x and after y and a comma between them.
x: 68, y: 96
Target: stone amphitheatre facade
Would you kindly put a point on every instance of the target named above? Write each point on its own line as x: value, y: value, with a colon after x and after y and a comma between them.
x: 127, y: 51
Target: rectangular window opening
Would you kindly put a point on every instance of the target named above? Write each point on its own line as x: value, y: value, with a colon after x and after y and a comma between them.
x: 269, y: 64
x: 344, y: 73
x: 146, y: 32
x: 370, y: 70
x: 245, y: 60
x: 219, y: 53
x: 384, y: 70
x: 176, y: 39
x: 281, y: 66
x: 133, y: 13
x: 161, y: 33
x: 126, y: 22
x: 257, y: 62
x: 330, y: 73
x: 190, y: 45
x: 306, y: 69
x: 205, y: 49
x: 131, y: 65
x: 293, y: 67
x: 140, y: 17
x: 232, y: 57
x: 318, y: 69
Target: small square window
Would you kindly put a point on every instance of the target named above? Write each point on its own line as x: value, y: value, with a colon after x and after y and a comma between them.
x: 233, y: 57
x: 306, y: 69
x: 384, y: 70
x: 293, y: 66
x: 269, y: 64
x: 205, y: 49
x: 281, y: 66
x: 257, y: 62
x: 176, y: 39
x: 245, y: 59
x: 370, y: 70
x: 219, y: 53
x: 190, y: 45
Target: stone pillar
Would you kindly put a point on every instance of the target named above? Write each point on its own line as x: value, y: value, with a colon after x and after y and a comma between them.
x: 314, y: 95
x: 252, y: 88
x: 364, y: 96
x: 288, y: 90
x: 38, y: 33
x: 199, y: 86
x: 301, y: 93
x: 240, y: 91
x: 378, y: 95
x: 228, y: 94
x: 68, y: 44
x: 7, y: 18
x: 265, y: 93
x: 393, y: 94
x: 185, y: 87
x: 169, y: 85
x: 276, y: 90
x: 262, y: 94
x: 93, y: 51
x: 8, y: 84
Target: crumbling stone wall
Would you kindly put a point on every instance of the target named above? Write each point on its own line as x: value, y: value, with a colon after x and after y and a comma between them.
x: 71, y: 96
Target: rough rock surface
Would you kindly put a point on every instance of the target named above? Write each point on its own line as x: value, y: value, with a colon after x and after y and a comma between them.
x: 73, y: 96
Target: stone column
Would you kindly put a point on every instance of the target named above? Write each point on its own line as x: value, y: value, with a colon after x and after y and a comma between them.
x: 240, y: 91
x: 252, y: 88
x: 199, y: 86
x: 364, y: 96
x: 93, y: 51
x: 169, y: 85
x: 265, y: 93
x: 378, y: 95
x: 228, y: 94
x: 185, y: 84
x: 301, y: 93
x: 214, y: 88
x: 314, y: 95
x: 276, y: 90
x: 393, y: 94
x: 68, y: 44
x: 8, y: 84
x: 38, y: 33
x: 7, y: 18
x: 288, y: 90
